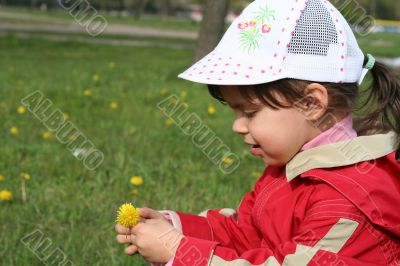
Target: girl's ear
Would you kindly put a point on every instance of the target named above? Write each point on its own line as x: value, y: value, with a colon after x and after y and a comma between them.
x: 316, y: 100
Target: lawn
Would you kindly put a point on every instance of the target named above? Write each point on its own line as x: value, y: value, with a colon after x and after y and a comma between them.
x: 110, y: 94
x: 381, y: 44
x: 62, y: 16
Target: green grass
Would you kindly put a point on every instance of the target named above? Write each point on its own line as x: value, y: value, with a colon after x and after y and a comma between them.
x: 156, y: 41
x: 75, y: 207
x: 61, y: 15
x: 381, y: 44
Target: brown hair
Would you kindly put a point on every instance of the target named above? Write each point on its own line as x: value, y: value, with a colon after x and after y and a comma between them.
x: 377, y: 108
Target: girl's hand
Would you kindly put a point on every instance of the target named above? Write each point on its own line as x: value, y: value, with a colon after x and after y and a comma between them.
x: 124, y: 233
x: 124, y: 237
x: 155, y: 238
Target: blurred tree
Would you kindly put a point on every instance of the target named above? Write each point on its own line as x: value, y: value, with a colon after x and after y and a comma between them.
x: 33, y: 3
x: 212, y: 26
x: 138, y: 8
x: 397, y: 10
x: 165, y: 8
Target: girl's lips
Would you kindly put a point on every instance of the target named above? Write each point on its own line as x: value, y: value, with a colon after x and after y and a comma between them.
x: 256, y: 150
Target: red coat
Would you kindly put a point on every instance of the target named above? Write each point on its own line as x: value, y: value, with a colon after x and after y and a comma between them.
x: 323, y: 216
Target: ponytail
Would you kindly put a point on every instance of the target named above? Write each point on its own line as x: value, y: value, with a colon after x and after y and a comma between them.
x: 384, y: 101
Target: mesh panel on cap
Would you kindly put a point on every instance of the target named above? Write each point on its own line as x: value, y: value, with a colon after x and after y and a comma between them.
x: 314, y: 32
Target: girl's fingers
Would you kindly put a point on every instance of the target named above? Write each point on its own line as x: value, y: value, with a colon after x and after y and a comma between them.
x: 125, y: 230
x: 122, y: 230
x: 150, y: 213
x: 131, y: 250
x: 124, y: 239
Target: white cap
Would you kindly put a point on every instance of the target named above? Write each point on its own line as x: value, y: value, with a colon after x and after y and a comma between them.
x: 275, y: 39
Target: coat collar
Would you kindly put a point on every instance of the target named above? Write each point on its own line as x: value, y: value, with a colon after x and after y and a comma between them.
x: 342, y: 153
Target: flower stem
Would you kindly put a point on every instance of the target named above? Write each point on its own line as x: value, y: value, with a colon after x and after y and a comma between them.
x: 23, y: 191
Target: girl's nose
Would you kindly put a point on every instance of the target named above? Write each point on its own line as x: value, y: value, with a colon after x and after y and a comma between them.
x: 240, y: 125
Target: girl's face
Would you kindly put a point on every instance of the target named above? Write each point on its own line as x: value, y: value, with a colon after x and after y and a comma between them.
x: 274, y: 135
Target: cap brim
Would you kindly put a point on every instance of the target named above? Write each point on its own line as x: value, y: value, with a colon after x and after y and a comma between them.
x: 219, y: 69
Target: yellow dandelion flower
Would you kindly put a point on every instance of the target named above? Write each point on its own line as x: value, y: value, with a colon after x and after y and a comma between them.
x: 168, y: 122
x: 21, y: 109
x: 211, y: 109
x: 128, y: 215
x: 183, y: 94
x: 87, y: 92
x: 164, y: 91
x: 1, y: 177
x: 111, y: 65
x: 25, y: 176
x: 14, y: 130
x: 227, y: 160
x: 5, y: 195
x: 95, y: 77
x: 47, y: 135
x: 134, y: 192
x: 114, y: 105
x: 172, y: 100
x: 73, y: 137
x: 136, y: 180
x: 66, y: 116
x: 256, y: 174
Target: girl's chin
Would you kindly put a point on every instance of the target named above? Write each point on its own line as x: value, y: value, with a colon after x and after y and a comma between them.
x: 267, y: 158
x: 272, y: 161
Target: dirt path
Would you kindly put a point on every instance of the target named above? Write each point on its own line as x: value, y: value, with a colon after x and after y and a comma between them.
x: 106, y: 41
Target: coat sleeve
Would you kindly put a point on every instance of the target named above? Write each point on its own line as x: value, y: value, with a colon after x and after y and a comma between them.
x: 222, y: 225
x: 334, y: 232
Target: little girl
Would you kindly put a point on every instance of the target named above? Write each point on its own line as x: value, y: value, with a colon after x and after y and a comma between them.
x: 330, y: 195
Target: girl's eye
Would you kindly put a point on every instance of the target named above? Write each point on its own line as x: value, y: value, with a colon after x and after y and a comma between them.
x: 249, y: 114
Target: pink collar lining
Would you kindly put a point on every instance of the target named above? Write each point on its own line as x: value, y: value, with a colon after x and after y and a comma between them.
x: 342, y: 130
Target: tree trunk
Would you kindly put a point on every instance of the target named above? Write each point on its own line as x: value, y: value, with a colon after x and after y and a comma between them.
x: 33, y: 3
x: 397, y: 10
x: 212, y: 26
x: 139, y: 7
x: 165, y: 8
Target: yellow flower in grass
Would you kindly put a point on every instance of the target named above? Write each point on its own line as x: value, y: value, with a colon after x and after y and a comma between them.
x: 134, y: 192
x: 183, y: 94
x: 25, y: 176
x: 114, y: 105
x: 164, y: 91
x: 256, y: 174
x: 128, y: 215
x: 211, y: 109
x: 136, y: 180
x: 111, y: 65
x: 168, y: 122
x: 14, y: 130
x: 66, y: 116
x: 1, y: 177
x: 47, y: 135
x: 5, y: 195
x: 87, y: 92
x: 95, y: 77
x: 172, y: 100
x: 21, y: 109
x: 227, y: 160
